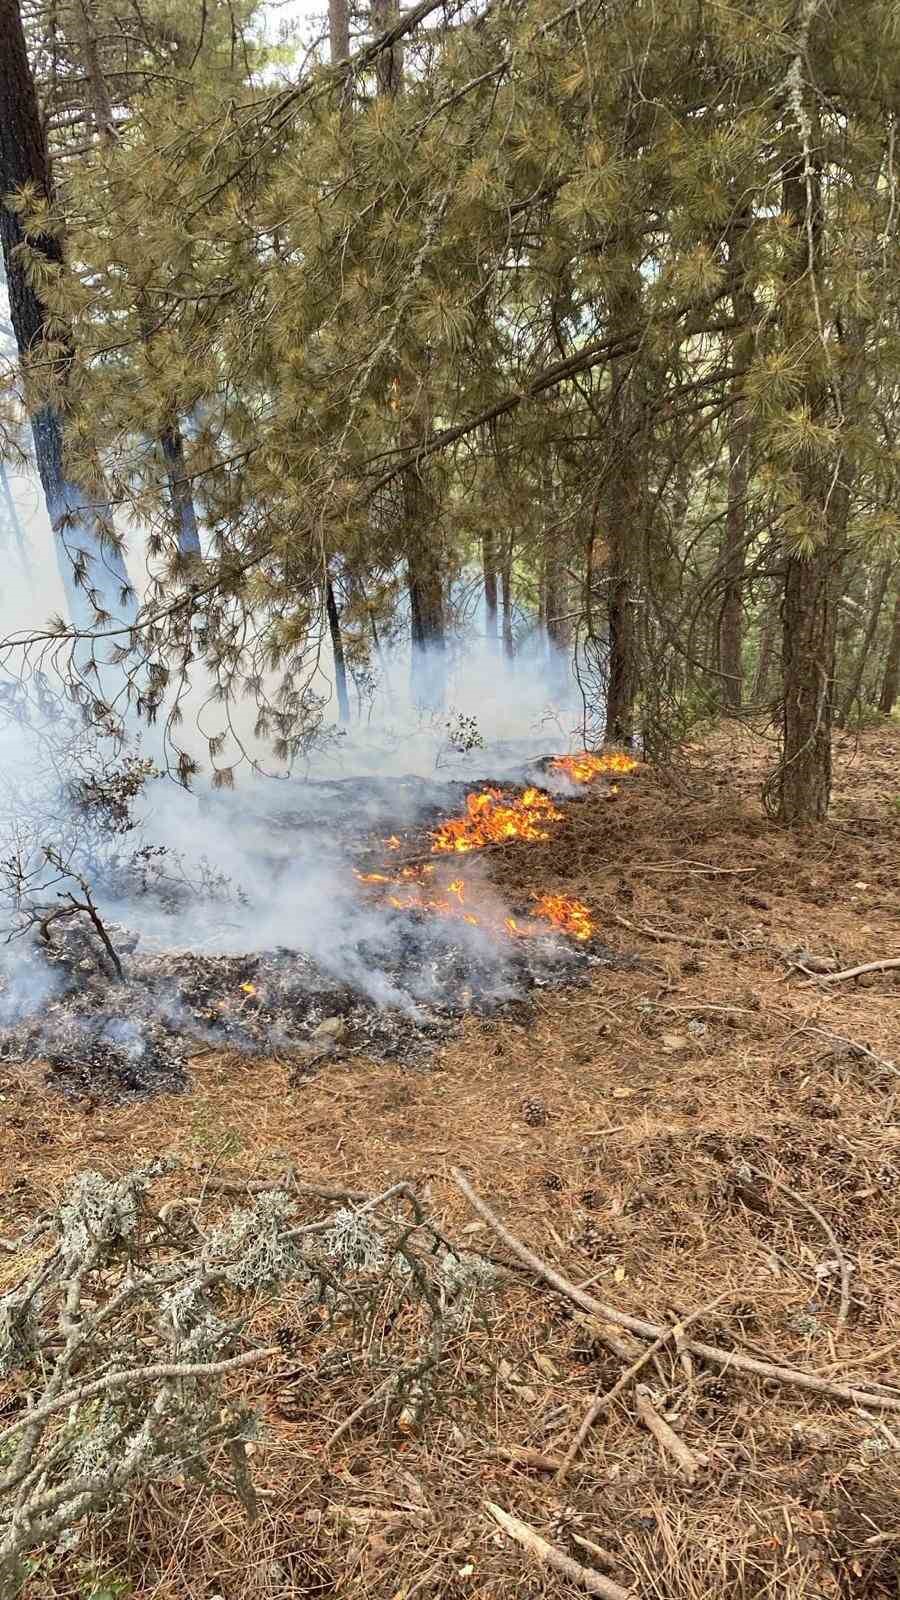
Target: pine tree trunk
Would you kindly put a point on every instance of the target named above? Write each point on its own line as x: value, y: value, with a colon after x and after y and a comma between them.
x: 489, y: 569
x: 623, y: 674
x: 890, y: 685
x: 623, y: 501
x: 183, y: 510
x: 556, y: 601
x: 808, y: 668
x: 506, y: 599
x: 338, y: 30
x: 184, y: 514
x: 882, y: 580
x: 809, y: 614
x: 90, y: 563
x: 424, y: 566
x: 337, y: 651
x: 767, y: 634
x: 388, y: 63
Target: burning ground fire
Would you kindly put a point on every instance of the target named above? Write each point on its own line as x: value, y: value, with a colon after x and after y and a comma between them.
x: 495, y: 817
x: 585, y: 768
x: 390, y: 986
x: 416, y: 889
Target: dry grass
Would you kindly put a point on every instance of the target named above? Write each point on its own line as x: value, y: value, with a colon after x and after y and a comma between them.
x: 658, y: 1085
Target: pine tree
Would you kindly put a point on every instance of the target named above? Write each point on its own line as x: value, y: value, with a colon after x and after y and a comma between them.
x: 88, y: 552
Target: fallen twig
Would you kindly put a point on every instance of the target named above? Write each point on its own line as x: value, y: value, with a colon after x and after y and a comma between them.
x: 666, y: 1437
x: 549, y: 1556
x: 889, y: 964
x: 360, y: 1411
x: 793, y: 1376
x: 608, y: 1557
x: 831, y: 1236
x: 600, y: 1402
x: 662, y: 934
x: 698, y: 866
x: 287, y: 1180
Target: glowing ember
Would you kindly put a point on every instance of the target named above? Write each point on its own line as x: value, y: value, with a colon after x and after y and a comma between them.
x: 584, y: 768
x: 493, y: 817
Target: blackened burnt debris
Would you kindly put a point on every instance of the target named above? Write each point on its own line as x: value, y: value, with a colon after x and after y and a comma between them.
x: 401, y: 989
x: 122, y: 1040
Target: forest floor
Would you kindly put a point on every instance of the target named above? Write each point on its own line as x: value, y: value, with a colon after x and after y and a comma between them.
x: 668, y: 1091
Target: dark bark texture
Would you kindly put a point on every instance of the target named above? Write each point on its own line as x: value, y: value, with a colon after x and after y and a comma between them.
x: 183, y: 510
x: 802, y: 782
x: 337, y: 650
x: 734, y: 540
x: 506, y: 600
x: 623, y: 502
x: 489, y: 569
x: 91, y: 567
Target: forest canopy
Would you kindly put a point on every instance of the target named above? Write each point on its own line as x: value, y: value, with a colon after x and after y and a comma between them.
x: 592, y: 307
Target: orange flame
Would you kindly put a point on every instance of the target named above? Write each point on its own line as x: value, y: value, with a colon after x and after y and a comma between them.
x: 411, y: 891
x: 584, y: 767
x: 492, y: 818
x: 415, y: 895
x: 569, y: 916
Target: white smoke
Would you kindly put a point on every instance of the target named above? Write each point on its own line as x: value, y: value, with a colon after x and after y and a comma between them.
x: 269, y: 864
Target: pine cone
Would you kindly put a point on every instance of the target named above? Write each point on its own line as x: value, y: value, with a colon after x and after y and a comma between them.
x: 716, y: 1389
x: 592, y: 1242
x: 287, y: 1339
x: 553, y: 1182
x: 565, y: 1521
x: 534, y: 1112
x: 588, y: 1350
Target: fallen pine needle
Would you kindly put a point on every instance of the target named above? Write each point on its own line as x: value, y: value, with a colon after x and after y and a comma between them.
x: 523, y: 1456
x: 364, y: 1406
x: 841, y: 1259
x: 549, y: 1556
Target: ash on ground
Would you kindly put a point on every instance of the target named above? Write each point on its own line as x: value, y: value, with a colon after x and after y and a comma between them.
x: 109, y: 1037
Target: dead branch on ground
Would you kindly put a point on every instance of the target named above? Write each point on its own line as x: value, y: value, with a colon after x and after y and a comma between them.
x: 666, y: 1437
x: 732, y: 1359
x: 889, y: 964
x: 125, y: 1336
x: 548, y: 1555
x: 600, y: 1402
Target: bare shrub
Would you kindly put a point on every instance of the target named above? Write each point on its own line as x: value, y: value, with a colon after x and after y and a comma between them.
x: 125, y: 1339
